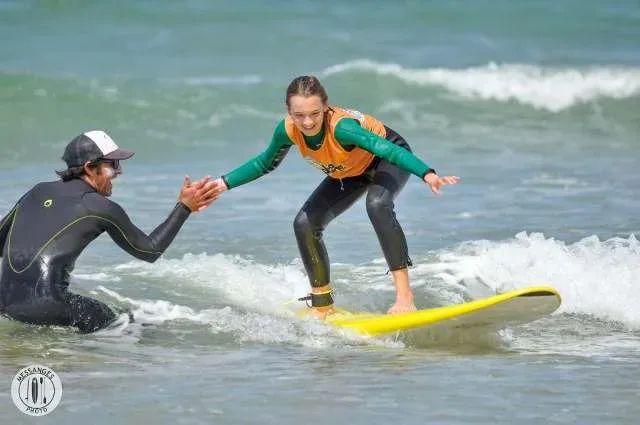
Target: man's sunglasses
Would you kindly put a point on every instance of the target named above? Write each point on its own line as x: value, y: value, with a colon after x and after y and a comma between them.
x: 115, y: 163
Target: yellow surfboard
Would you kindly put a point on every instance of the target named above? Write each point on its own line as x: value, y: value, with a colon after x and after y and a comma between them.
x: 496, y: 312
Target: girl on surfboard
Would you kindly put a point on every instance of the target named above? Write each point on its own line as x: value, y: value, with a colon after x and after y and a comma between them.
x: 360, y: 155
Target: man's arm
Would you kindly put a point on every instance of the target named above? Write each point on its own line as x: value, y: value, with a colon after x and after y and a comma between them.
x: 194, y: 197
x: 129, y: 237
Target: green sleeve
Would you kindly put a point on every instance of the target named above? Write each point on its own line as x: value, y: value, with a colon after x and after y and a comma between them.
x: 263, y: 163
x: 349, y: 132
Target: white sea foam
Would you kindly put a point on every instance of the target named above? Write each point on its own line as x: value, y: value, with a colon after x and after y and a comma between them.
x: 257, y: 300
x: 548, y: 88
x: 594, y: 277
x: 254, y: 326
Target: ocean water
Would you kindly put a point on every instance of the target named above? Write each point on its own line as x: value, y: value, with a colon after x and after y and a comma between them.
x: 535, y: 105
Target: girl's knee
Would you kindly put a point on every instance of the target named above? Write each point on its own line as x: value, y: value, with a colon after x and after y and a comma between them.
x: 379, y: 206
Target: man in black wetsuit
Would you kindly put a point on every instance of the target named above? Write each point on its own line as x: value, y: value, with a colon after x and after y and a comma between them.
x: 45, y: 232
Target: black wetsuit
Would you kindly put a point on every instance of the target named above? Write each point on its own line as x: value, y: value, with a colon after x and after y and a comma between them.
x: 382, y: 182
x: 43, y: 235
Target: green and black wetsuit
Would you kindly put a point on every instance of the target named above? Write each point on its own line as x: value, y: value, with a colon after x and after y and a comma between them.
x: 381, y: 181
x: 43, y: 235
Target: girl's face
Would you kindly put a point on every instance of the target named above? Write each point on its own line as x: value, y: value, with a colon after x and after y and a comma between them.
x: 307, y: 113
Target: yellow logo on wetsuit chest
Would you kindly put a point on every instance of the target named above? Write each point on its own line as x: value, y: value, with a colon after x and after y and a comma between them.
x: 48, y: 203
x: 325, y: 168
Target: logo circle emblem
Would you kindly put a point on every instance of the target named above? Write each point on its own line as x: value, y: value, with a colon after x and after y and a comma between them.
x: 48, y: 203
x: 36, y: 390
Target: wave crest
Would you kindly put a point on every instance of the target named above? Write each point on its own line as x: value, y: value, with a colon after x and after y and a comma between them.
x: 552, y: 89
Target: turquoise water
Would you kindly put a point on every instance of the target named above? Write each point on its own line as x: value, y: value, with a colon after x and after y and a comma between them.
x: 534, y: 105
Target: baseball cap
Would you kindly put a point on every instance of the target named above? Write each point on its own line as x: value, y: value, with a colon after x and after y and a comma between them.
x: 92, y: 146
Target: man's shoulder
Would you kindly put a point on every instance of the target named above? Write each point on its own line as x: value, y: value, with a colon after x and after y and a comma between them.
x: 37, y: 190
x: 43, y: 185
x: 73, y: 186
x: 100, y: 204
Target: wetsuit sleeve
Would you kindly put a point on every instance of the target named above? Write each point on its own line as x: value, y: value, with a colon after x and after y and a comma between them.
x: 349, y: 132
x: 5, y: 224
x: 264, y: 163
x: 133, y: 240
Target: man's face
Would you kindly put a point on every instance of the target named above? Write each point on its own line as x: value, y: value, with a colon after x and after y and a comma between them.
x: 103, y: 175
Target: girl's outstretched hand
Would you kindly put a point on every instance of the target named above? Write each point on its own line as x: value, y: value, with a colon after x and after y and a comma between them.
x: 435, y: 182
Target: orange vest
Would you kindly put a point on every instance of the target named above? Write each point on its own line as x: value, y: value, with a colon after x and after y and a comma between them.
x: 331, y: 157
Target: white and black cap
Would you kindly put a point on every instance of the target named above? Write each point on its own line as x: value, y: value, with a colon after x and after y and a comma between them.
x: 93, y: 146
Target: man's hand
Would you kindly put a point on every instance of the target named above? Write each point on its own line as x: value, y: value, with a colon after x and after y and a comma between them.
x: 198, y: 195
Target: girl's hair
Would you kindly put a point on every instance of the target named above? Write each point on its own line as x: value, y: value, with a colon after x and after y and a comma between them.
x: 306, y: 86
